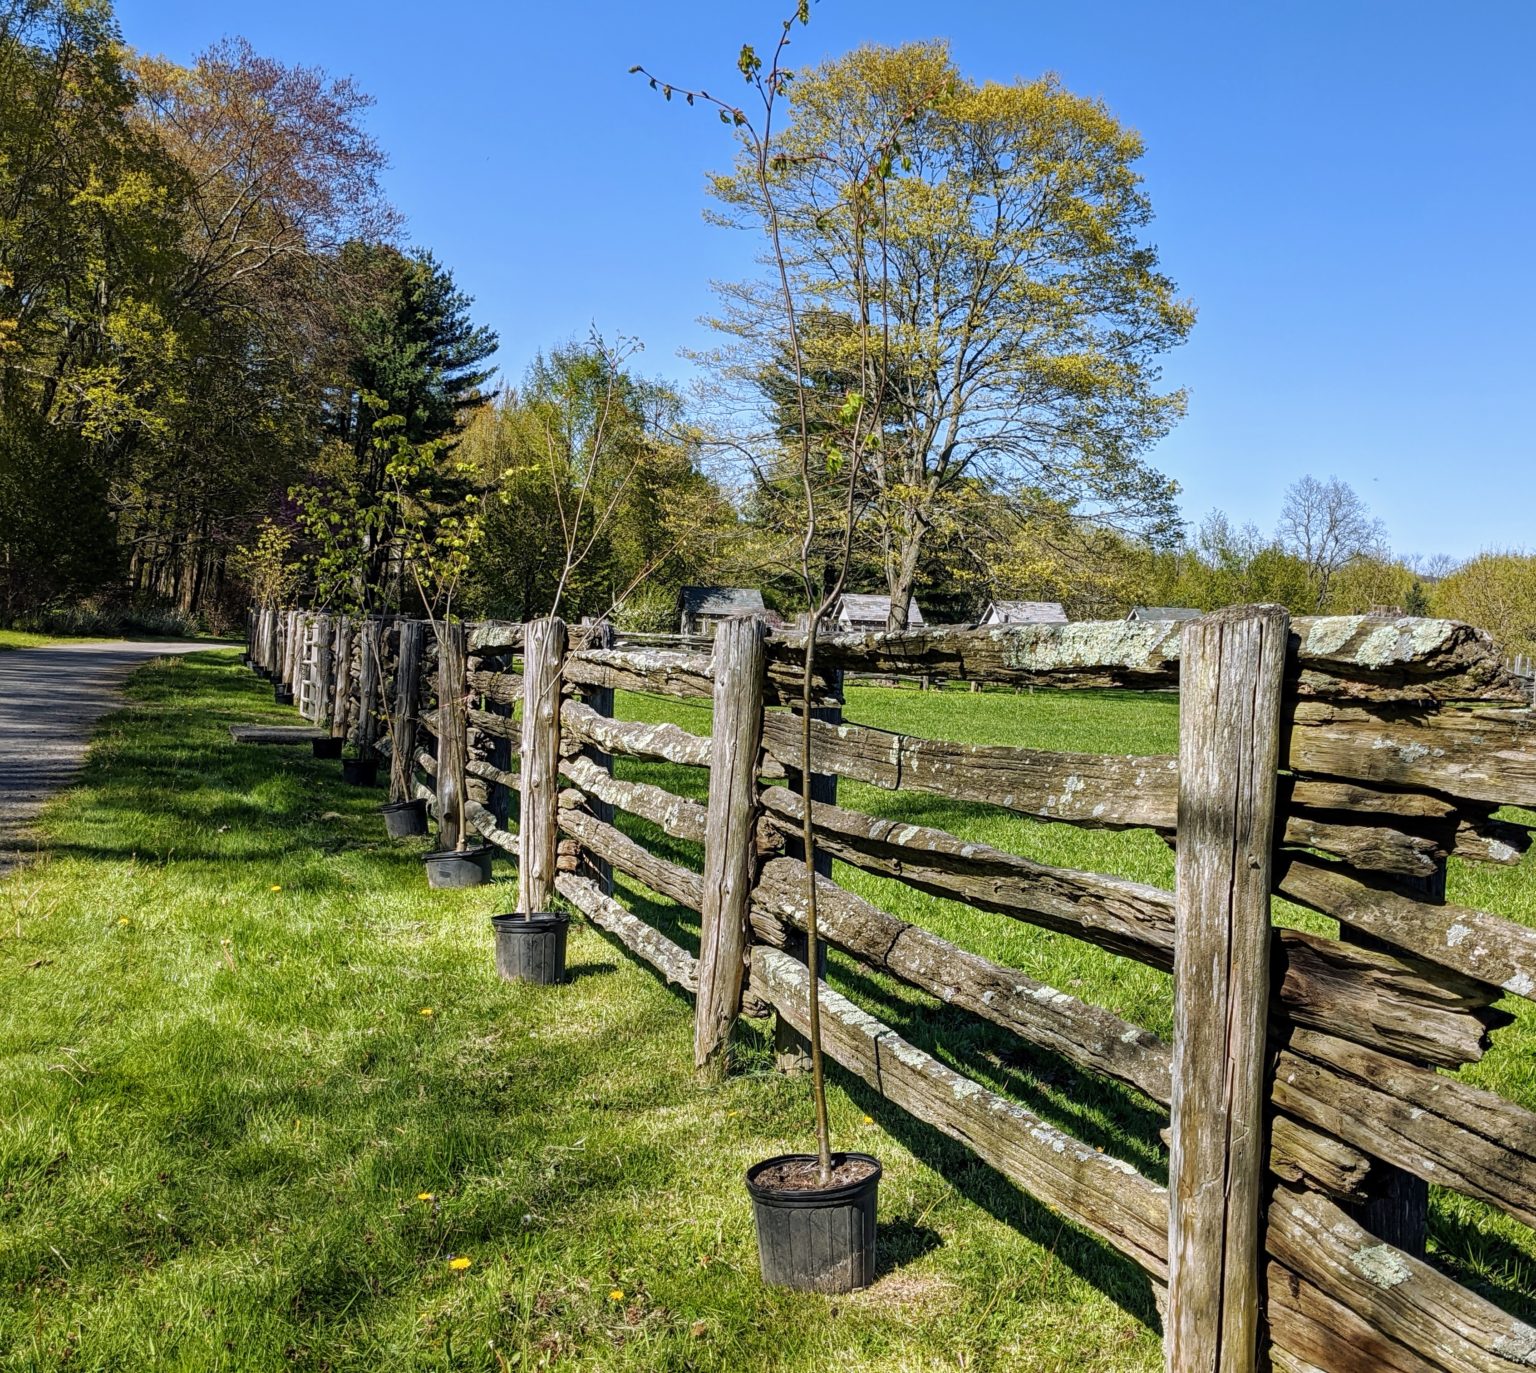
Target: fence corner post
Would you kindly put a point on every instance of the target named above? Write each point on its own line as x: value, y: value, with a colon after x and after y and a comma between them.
x: 740, y: 665
x: 538, y: 816
x: 1231, y: 674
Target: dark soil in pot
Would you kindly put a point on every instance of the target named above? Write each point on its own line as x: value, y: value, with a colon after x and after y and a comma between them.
x: 361, y: 772
x: 815, y: 1238
x: 326, y: 748
x: 458, y: 867
x: 531, y: 947
x: 402, y: 819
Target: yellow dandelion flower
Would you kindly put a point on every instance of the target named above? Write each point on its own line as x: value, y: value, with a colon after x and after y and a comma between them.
x: 869, y: 1120
x: 124, y: 920
x: 426, y: 1196
x: 617, y: 1294
x: 459, y: 1264
x: 276, y: 886
x: 427, y: 1010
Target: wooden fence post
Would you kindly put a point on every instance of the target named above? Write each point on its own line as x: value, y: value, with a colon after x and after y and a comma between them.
x: 269, y: 641
x: 369, y: 683
x: 538, y: 818
x: 402, y: 733
x: 342, y: 692
x: 1232, y: 666
x: 324, y: 668
x: 285, y: 671
x: 452, y: 734
x: 730, y: 840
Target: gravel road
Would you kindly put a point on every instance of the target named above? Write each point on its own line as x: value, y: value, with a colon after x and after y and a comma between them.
x: 50, y: 698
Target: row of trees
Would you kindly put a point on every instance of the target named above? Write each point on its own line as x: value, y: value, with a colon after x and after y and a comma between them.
x: 221, y: 373
x: 203, y: 308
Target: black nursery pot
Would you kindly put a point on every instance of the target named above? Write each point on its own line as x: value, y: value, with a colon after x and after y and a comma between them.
x: 282, y: 695
x: 327, y: 748
x: 816, y: 1239
x: 531, y: 948
x: 458, y: 867
x: 404, y: 818
x: 361, y: 772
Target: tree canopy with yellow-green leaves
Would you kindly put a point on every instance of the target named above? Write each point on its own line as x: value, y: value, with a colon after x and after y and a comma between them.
x: 985, y: 241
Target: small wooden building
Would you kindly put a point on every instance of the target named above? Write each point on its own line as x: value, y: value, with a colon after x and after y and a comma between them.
x: 701, y: 608
x: 1163, y: 613
x: 1024, y: 613
x: 860, y: 614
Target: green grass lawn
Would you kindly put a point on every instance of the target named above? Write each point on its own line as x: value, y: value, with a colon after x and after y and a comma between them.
x: 1483, y: 1248
x: 231, y: 1137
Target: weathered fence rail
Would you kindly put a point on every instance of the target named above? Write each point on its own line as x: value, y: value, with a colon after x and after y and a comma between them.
x: 1335, y: 762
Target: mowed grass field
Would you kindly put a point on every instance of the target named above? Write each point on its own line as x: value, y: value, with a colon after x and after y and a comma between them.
x: 261, y: 1093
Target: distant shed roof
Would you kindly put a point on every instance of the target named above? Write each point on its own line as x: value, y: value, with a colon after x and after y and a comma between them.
x: 858, y: 609
x: 1025, y: 613
x: 1163, y: 612
x: 722, y: 601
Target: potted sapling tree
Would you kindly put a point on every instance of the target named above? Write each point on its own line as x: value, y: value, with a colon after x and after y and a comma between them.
x: 815, y: 1213
x: 437, y: 525
x: 591, y: 431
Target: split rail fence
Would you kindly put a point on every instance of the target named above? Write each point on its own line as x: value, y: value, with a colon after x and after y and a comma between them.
x: 1334, y: 762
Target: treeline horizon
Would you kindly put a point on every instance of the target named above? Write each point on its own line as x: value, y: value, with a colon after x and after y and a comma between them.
x: 224, y: 375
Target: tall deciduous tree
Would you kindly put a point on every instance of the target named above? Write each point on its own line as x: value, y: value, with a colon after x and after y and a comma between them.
x: 1327, y: 526
x: 994, y: 245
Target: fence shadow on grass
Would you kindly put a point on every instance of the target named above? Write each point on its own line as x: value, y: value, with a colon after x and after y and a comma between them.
x: 982, y: 1185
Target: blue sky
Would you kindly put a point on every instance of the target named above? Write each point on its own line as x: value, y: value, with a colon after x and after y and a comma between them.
x: 1345, y: 189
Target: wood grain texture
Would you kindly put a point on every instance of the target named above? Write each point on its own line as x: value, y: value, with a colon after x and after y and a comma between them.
x: 676, y: 815
x: 1231, y: 679
x: 452, y: 741
x: 1310, y: 1332
x: 324, y: 684
x: 1486, y: 947
x: 543, y: 660
x: 1126, y: 917
x: 666, y: 743
x: 341, y: 698
x: 505, y: 688
x: 370, y: 686
x: 1100, y: 790
x: 670, y: 880
x: 403, y: 707
x: 1087, y: 1036
x: 1436, y: 1127
x: 660, y: 672
x: 1474, y: 755
x: 739, y: 665
x: 1401, y: 1298
x: 675, y: 964
x: 484, y: 822
x: 1392, y: 1002
x: 1343, y: 656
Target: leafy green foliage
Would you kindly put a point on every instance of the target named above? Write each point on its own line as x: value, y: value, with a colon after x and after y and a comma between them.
x: 991, y: 237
